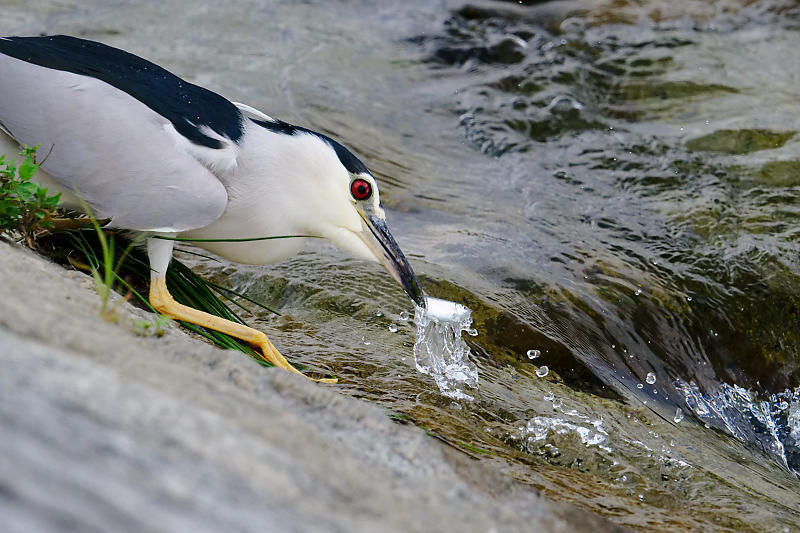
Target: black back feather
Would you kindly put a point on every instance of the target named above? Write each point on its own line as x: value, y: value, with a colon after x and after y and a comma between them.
x: 186, y: 106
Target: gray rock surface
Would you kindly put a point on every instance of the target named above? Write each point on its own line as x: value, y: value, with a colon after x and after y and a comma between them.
x: 104, y: 430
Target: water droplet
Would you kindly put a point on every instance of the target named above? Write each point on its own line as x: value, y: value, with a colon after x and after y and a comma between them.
x: 393, y: 328
x: 549, y: 396
x: 378, y: 313
x: 638, y: 292
x: 639, y: 386
x: 533, y: 354
x: 472, y: 332
x: 678, y: 418
x: 651, y: 378
x: 557, y: 403
x: 688, y: 298
x: 641, y: 497
x: 542, y: 371
x: 783, y: 405
x: 404, y: 315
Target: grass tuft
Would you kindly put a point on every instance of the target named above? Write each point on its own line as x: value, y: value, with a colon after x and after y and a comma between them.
x: 94, y: 249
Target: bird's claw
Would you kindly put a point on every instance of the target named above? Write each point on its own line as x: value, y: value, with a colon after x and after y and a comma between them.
x: 271, y: 354
x: 163, y: 302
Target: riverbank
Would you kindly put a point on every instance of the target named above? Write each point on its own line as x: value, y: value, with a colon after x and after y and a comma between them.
x: 106, y: 430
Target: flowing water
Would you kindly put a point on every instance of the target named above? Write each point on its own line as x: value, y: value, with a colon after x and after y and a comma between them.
x: 608, y: 185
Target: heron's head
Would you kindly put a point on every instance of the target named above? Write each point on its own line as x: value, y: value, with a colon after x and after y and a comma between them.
x: 331, y: 193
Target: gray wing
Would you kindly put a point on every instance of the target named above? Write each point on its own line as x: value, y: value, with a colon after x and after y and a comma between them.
x: 127, y: 161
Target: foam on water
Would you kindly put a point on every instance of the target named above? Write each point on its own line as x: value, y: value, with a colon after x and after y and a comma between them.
x: 439, y: 350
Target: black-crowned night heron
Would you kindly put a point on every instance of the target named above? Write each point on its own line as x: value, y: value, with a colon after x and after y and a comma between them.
x: 156, y: 154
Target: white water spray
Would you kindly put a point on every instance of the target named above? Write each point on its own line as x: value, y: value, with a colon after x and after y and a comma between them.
x: 439, y: 350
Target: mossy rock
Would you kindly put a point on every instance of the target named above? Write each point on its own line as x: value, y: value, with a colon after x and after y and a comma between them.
x: 670, y: 90
x: 739, y: 141
x: 780, y: 173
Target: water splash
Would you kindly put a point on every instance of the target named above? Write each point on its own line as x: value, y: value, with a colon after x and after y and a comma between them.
x: 539, y: 428
x: 772, y: 423
x: 439, y: 350
x: 554, y: 431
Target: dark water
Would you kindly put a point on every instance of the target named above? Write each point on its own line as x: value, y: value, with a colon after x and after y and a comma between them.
x: 612, y: 183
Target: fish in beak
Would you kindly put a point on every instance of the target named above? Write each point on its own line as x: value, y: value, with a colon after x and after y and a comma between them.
x: 381, y: 243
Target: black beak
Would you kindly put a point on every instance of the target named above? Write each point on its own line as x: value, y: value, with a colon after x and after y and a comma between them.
x: 385, y: 248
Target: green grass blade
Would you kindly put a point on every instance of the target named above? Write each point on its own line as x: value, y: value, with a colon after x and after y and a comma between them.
x: 132, y: 269
x: 246, y: 239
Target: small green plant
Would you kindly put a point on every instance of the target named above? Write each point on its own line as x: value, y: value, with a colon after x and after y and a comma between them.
x: 25, y: 207
x: 105, y: 268
x: 155, y: 328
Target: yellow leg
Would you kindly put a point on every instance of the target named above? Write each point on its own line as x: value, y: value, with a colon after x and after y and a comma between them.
x: 162, y: 301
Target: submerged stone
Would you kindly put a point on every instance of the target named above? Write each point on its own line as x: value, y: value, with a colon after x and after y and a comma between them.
x: 739, y: 141
x: 780, y: 173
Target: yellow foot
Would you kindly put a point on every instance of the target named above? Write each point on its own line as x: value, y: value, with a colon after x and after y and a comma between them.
x: 162, y: 301
x: 260, y: 341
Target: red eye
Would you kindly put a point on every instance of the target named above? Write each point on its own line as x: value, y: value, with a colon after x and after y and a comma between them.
x: 360, y: 189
